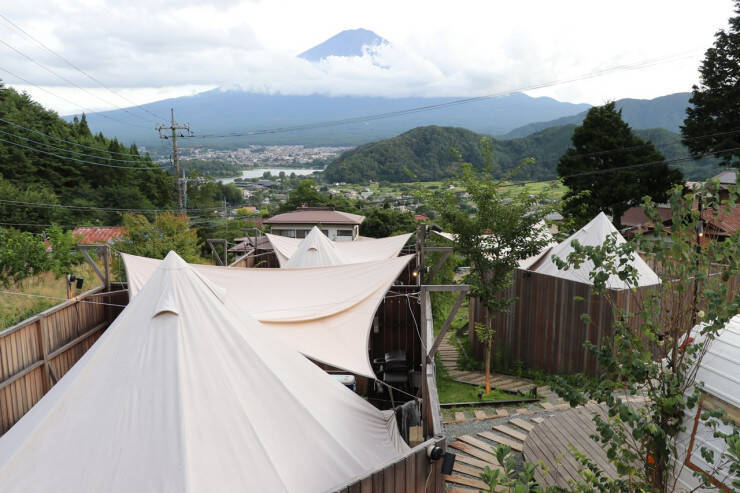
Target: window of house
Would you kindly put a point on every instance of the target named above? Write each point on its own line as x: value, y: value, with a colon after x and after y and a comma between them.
x: 344, y: 232
x: 326, y: 232
x: 301, y: 233
x: 290, y: 233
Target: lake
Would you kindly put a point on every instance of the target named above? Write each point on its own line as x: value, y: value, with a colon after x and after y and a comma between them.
x: 258, y: 172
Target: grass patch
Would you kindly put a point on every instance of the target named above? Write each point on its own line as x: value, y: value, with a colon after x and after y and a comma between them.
x: 452, y: 391
x: 16, y: 308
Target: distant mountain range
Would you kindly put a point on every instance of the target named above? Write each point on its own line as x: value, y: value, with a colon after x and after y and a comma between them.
x: 424, y: 154
x: 351, y: 42
x: 219, y: 111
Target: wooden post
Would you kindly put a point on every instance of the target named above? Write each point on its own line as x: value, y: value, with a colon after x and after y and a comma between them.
x: 44, y: 352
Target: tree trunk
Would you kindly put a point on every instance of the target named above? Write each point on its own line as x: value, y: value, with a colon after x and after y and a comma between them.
x: 488, y: 365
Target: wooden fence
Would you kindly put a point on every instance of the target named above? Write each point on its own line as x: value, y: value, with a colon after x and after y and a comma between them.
x: 37, y: 352
x: 544, y: 330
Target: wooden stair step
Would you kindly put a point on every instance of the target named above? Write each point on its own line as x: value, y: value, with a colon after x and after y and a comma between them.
x: 474, y: 462
x: 465, y: 469
x: 480, y: 444
x: 538, y: 420
x: 475, y: 452
x: 502, y: 440
x: 546, y: 405
x: 524, y: 425
x: 476, y: 483
x: 511, y: 432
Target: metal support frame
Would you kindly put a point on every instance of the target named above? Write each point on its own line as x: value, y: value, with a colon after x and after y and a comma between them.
x: 212, y: 242
x: 446, y: 251
x: 448, y: 322
x: 102, y: 251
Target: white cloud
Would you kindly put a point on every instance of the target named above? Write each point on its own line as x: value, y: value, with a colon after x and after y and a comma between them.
x: 154, y: 48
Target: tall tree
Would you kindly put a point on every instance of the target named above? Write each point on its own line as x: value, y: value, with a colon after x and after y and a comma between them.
x: 608, y: 168
x: 502, y: 229
x: 714, y: 115
x: 155, y: 239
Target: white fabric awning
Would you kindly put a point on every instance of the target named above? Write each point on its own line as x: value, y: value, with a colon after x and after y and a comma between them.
x: 181, y: 395
x: 325, y: 313
x: 334, y: 253
x: 592, y: 234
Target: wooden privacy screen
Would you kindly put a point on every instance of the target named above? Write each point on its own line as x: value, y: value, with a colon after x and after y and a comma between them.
x: 35, y: 353
x: 543, y: 328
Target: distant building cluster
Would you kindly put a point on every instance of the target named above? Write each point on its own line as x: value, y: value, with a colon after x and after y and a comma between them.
x: 264, y: 156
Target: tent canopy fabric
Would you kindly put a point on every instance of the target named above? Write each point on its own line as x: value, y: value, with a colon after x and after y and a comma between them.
x: 181, y: 395
x: 316, y: 250
x: 325, y: 313
x: 593, y: 234
x: 335, y: 253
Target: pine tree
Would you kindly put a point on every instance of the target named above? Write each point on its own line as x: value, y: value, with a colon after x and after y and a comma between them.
x: 715, y: 102
x: 602, y: 143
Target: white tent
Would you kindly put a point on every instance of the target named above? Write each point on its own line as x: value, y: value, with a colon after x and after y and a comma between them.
x: 719, y: 372
x: 315, y: 250
x: 325, y: 313
x: 335, y: 253
x: 181, y: 395
x: 592, y: 234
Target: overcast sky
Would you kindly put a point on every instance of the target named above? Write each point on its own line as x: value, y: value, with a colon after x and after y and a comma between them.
x: 151, y: 49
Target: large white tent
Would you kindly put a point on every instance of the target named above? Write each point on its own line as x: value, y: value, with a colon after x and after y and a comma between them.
x: 179, y: 394
x: 593, y: 234
x: 330, y: 312
x: 719, y: 374
x: 334, y: 253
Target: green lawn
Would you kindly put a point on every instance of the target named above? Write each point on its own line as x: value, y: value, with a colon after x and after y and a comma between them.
x: 452, y: 391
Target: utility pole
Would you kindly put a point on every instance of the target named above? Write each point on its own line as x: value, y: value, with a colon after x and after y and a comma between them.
x: 174, y: 127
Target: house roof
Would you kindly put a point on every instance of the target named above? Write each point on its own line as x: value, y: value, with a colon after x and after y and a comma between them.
x: 635, y: 216
x: 726, y: 177
x: 316, y: 215
x: 245, y: 243
x: 725, y: 222
x: 91, y: 235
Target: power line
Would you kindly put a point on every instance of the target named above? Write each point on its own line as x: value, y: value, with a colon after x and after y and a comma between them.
x: 69, y: 100
x: 61, y: 139
x: 132, y: 168
x: 135, y: 105
x: 419, y: 109
x: 105, y: 209
x: 74, y: 152
x: 68, y: 81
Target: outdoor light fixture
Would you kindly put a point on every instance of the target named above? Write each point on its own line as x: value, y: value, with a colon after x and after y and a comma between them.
x: 434, y: 452
x: 448, y: 463
x: 414, y: 273
x: 74, y: 279
x: 700, y: 228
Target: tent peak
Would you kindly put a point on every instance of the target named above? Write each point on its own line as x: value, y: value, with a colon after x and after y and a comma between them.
x: 173, y: 261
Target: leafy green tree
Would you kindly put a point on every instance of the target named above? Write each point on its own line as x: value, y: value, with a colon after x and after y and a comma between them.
x: 504, y: 228
x: 654, y: 353
x: 380, y: 223
x: 604, y: 143
x: 22, y: 255
x: 155, y: 239
x: 63, y: 254
x: 713, y: 117
x: 15, y: 204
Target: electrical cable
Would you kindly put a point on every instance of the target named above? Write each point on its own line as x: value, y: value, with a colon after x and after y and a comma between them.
x: 133, y: 168
x: 92, y: 208
x: 61, y: 139
x: 418, y: 109
x: 70, y: 101
x: 135, y: 105
x: 83, y: 154
x: 69, y: 81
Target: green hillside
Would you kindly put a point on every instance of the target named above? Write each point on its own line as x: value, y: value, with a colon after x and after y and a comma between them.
x: 45, y: 159
x: 425, y: 154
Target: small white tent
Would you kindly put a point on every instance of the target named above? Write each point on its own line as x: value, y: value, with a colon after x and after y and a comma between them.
x: 592, y: 234
x: 316, y: 250
x: 335, y: 253
x: 719, y: 372
x: 181, y: 395
x: 329, y: 313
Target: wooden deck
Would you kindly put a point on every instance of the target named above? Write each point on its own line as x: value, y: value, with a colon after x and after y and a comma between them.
x: 550, y: 443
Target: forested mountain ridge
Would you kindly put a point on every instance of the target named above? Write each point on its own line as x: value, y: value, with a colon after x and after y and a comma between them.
x: 667, y: 112
x: 425, y: 154
x: 45, y: 159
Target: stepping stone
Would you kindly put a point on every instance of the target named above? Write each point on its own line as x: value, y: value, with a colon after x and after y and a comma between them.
x: 479, y: 414
x: 460, y: 416
x: 511, y: 432
x: 546, y: 405
x: 524, y: 425
x: 502, y: 440
x: 561, y: 406
x: 538, y: 420
x: 524, y: 410
x: 501, y: 412
x: 476, y: 483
